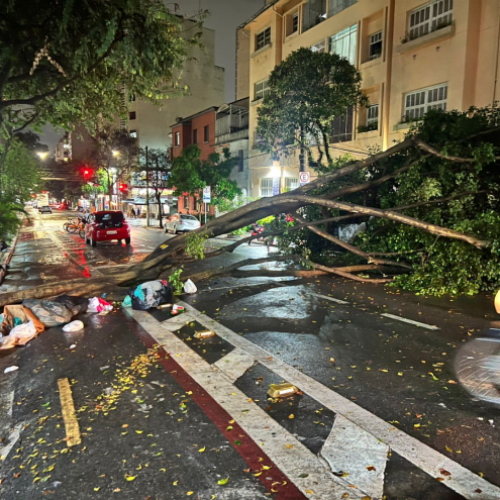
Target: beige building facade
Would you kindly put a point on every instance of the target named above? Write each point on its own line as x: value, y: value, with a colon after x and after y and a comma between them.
x: 150, y: 123
x: 413, y: 56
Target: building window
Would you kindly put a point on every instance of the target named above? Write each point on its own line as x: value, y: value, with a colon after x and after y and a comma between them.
x: 314, y: 12
x: 206, y: 133
x: 186, y: 202
x: 345, y: 43
x: 291, y: 23
x: 342, y: 127
x: 372, y: 117
x: 133, y: 134
x: 262, y: 89
x: 195, y: 136
x: 266, y: 187
x: 291, y: 183
x: 430, y: 17
x: 131, y: 115
x: 131, y: 98
x: 337, y: 6
x: 262, y: 39
x: 319, y: 47
x: 295, y: 23
x: 375, y: 45
x: 241, y: 160
x: 177, y: 138
x: 419, y: 102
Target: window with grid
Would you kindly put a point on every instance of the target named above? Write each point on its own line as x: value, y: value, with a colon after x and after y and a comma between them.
x: 337, y: 6
x: 261, y: 89
x: 241, y: 160
x: 266, y: 187
x: 430, y: 17
x: 132, y: 115
x: 291, y: 183
x: 375, y: 45
x: 177, y: 138
x: 342, y: 127
x: 186, y: 202
x: 295, y: 23
x: 131, y: 98
x: 319, y: 47
x: 262, y: 39
x: 345, y: 43
x: 313, y: 13
x: 419, y: 102
x: 372, y: 115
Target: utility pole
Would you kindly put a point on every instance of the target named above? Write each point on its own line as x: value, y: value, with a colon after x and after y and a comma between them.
x: 147, y: 186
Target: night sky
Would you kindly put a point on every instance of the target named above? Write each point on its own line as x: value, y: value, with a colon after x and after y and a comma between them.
x: 225, y: 17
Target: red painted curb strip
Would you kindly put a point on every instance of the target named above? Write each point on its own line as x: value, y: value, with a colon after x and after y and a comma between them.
x: 248, y: 449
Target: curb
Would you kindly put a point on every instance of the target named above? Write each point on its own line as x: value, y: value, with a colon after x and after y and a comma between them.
x: 4, y: 265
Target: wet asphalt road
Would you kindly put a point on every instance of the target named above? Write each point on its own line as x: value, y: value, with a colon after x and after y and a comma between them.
x: 398, y: 371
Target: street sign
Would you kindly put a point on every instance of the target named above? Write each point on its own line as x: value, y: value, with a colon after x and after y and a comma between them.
x: 207, y: 195
x: 305, y: 178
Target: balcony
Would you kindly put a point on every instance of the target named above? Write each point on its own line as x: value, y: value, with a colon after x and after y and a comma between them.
x: 231, y: 123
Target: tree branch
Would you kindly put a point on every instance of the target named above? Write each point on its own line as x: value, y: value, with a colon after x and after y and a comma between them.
x: 433, y: 151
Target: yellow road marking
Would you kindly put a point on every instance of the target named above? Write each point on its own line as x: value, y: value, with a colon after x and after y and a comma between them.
x: 73, y: 436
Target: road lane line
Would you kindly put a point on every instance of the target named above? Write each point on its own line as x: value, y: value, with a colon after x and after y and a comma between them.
x: 13, y: 438
x: 73, y: 436
x: 349, y: 448
x: 269, y: 436
x: 461, y: 480
x: 332, y: 299
x: 235, y: 364
x: 411, y: 322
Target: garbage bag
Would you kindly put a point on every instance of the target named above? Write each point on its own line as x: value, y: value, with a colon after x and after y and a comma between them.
x: 74, y: 326
x: 98, y: 305
x: 151, y: 294
x: 190, y: 287
x: 127, y: 302
x: 48, y: 312
x: 23, y: 333
x: 22, y: 314
x: 7, y: 343
x: 74, y: 304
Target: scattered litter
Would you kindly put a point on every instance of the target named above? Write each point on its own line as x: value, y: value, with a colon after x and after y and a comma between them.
x: 7, y: 342
x: 98, y: 305
x: 491, y: 422
x: 49, y: 313
x: 74, y: 304
x: 74, y: 326
x: 23, y: 333
x: 176, y: 309
x: 103, y: 368
x: 190, y: 287
x: 150, y: 294
x: 72, y: 346
x: 127, y: 302
x: 11, y: 369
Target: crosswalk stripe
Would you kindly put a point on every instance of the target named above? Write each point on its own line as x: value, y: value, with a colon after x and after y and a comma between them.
x: 352, y: 450
x: 235, y: 364
x: 331, y: 299
x: 461, y: 480
x: 289, y: 454
x: 411, y: 321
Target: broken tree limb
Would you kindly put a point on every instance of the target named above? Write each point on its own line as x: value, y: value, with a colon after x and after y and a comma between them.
x: 394, y: 216
x: 340, y: 272
x: 433, y: 151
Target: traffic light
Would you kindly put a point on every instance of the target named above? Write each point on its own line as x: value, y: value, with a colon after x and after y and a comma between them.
x: 87, y: 173
x: 123, y: 187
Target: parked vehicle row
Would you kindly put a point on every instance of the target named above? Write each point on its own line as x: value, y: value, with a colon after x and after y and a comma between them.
x: 178, y: 223
x: 106, y: 226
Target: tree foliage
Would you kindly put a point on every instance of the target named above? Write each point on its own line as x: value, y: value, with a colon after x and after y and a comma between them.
x: 307, y: 91
x: 190, y: 174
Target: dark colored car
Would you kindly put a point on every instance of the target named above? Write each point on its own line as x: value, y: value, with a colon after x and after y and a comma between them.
x: 107, y: 226
x: 45, y: 210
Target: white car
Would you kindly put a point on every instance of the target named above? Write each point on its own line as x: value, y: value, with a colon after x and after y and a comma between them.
x: 177, y: 223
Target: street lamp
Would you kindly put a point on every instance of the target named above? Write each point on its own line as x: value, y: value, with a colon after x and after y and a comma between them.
x: 115, y: 153
x: 43, y: 155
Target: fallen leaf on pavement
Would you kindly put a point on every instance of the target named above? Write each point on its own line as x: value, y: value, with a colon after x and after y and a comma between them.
x: 201, y: 450
x: 222, y: 482
x: 130, y: 478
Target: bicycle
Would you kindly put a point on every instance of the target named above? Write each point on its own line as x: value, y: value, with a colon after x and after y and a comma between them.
x: 72, y: 225
x: 81, y: 227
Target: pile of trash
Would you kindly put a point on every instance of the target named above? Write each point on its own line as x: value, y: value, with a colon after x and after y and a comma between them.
x: 151, y: 294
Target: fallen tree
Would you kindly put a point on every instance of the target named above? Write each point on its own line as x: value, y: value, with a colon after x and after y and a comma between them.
x: 394, y: 180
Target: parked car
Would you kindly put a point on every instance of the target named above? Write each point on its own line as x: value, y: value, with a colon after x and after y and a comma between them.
x: 45, y: 209
x: 106, y: 226
x: 181, y: 223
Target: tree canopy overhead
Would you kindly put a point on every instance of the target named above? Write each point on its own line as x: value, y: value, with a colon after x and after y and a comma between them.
x: 68, y: 59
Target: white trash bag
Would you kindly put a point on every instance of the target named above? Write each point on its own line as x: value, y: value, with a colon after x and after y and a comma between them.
x: 23, y: 333
x: 74, y: 326
x: 190, y: 287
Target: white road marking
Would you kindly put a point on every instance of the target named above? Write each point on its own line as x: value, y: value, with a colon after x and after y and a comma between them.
x: 13, y: 437
x: 351, y: 449
x: 461, y: 480
x: 411, y: 322
x: 235, y: 364
x: 264, y: 430
x: 332, y: 299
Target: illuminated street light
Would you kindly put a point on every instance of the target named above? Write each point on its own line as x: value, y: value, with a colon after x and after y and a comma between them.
x: 43, y: 155
x: 116, y: 153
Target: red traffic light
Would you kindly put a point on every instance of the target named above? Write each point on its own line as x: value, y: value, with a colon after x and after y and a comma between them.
x: 86, y: 172
x: 123, y: 187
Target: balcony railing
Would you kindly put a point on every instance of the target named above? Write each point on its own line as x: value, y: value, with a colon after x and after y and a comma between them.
x: 229, y: 124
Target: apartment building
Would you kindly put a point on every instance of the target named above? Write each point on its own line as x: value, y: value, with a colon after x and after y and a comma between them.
x: 413, y: 55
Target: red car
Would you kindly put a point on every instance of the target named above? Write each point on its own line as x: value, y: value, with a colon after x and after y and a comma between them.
x: 107, y: 226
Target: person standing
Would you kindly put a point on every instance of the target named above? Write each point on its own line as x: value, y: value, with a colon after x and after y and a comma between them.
x: 134, y: 214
